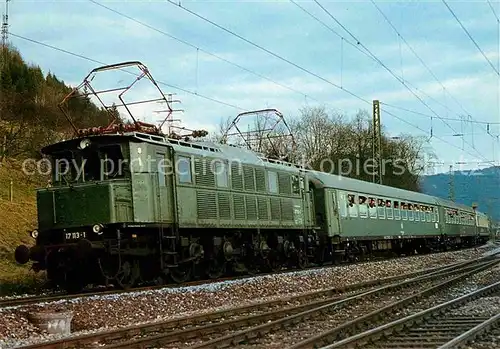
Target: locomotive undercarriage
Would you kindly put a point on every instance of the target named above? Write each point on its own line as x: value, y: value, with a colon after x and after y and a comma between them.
x: 127, y: 257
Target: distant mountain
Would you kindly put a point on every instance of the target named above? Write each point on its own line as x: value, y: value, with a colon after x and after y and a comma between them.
x: 477, y: 186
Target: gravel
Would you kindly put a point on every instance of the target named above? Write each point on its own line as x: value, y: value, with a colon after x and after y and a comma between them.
x: 110, y: 311
x: 331, y: 319
x: 486, y: 306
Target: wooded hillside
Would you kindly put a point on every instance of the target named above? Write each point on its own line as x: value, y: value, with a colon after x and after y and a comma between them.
x: 29, y: 113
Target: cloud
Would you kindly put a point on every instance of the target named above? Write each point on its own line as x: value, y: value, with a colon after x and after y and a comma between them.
x: 281, y: 27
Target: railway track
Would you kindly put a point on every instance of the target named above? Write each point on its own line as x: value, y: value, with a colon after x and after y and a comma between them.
x: 443, y: 326
x: 12, y: 302
x: 256, y: 318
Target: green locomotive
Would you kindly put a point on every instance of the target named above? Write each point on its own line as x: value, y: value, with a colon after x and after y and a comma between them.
x: 129, y: 204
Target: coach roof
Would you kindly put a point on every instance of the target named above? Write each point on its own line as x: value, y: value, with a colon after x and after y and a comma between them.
x: 339, y: 182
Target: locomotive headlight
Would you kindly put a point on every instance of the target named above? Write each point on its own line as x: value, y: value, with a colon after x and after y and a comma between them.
x: 34, y: 234
x: 97, y: 229
x: 84, y: 144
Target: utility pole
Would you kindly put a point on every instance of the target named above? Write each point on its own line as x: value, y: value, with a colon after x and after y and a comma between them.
x: 451, y: 184
x: 377, y: 143
x: 5, y: 25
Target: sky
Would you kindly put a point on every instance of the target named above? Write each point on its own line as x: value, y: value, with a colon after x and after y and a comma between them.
x: 412, y: 56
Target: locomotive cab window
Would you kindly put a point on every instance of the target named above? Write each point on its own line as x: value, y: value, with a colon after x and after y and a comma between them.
x: 272, y: 181
x: 296, y: 184
x: 94, y: 163
x: 114, y: 166
x: 221, y: 173
x: 184, y: 169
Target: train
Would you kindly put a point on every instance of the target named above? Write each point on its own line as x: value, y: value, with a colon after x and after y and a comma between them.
x: 130, y: 205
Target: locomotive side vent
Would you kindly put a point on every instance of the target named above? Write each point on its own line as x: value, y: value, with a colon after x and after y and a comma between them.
x: 224, y: 206
x: 251, y: 208
x: 263, y: 210
x: 206, y: 205
x: 239, y: 207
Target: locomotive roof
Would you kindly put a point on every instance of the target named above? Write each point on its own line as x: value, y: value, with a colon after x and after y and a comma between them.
x: 249, y: 157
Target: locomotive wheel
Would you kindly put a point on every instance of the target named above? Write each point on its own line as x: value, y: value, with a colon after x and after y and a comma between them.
x: 128, y: 275
x: 216, y: 268
x: 182, y: 273
x: 274, y: 261
x: 302, y: 259
x: 73, y: 283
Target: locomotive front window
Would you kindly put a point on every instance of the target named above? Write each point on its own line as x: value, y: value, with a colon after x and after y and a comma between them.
x: 90, y: 164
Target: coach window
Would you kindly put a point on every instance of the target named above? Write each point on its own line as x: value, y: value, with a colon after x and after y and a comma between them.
x: 363, y: 208
x: 396, y: 210
x: 409, y: 208
x: 381, y: 208
x: 272, y: 181
x: 220, y: 170
x: 353, y: 207
x: 388, y: 209
x: 184, y: 169
x: 404, y: 211
x: 436, y: 214
x: 372, y: 204
x: 416, y: 213
x: 422, y: 213
x: 343, y: 204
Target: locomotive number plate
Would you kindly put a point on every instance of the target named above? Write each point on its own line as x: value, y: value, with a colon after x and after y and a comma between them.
x: 75, y: 235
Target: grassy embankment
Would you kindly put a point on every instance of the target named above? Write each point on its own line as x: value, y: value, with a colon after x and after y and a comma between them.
x: 17, y: 218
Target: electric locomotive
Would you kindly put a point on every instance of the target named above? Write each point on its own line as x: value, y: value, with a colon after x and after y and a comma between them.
x: 128, y: 204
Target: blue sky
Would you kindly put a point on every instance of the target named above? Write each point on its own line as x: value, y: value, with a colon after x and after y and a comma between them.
x: 282, y: 27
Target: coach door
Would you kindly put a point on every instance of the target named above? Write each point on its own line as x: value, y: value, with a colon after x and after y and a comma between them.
x: 331, y: 207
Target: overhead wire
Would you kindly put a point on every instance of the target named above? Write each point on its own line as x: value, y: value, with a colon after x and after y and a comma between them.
x: 405, y: 84
x: 417, y: 55
x: 472, y: 39
x: 202, y: 96
x: 201, y: 50
x: 300, y: 67
x: 427, y: 67
x: 158, y: 81
x: 482, y: 122
x: 356, y: 46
